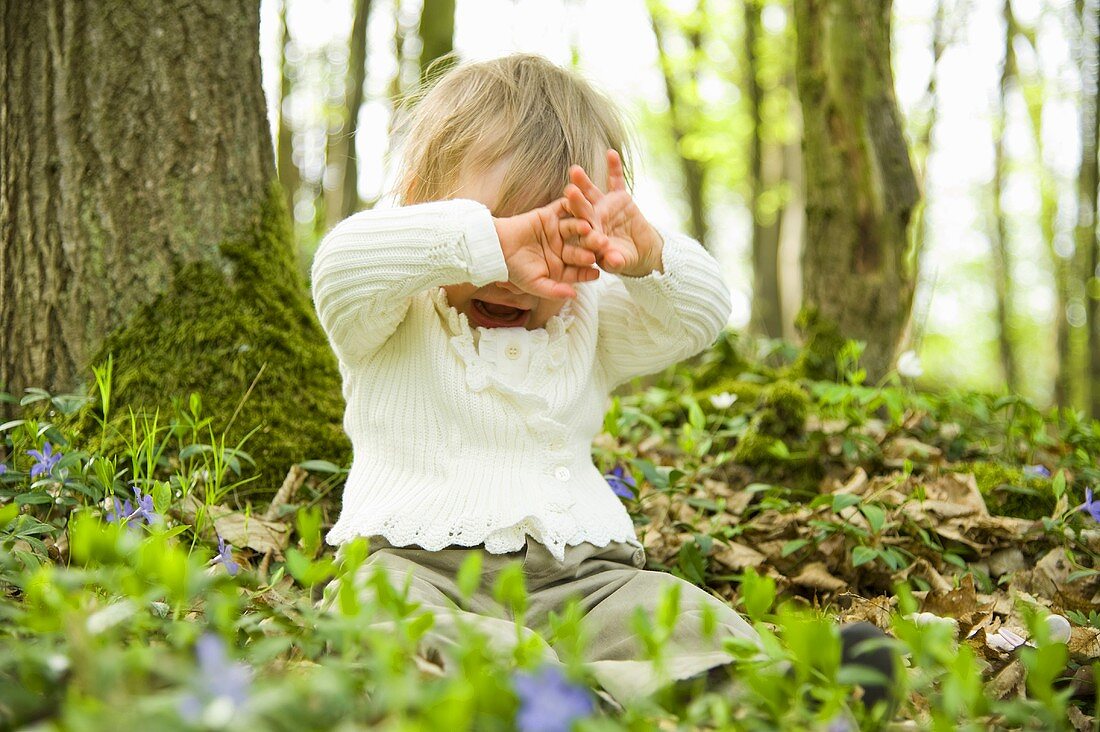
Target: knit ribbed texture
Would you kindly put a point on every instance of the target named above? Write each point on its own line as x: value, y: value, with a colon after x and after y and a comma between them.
x: 457, y: 442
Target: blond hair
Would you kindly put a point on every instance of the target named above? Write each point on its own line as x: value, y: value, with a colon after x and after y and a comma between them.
x: 522, y: 106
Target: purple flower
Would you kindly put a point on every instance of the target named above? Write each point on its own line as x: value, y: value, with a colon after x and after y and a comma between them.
x: 47, y: 459
x: 621, y: 482
x: 549, y: 702
x: 1036, y: 471
x: 225, y: 556
x: 3, y: 468
x: 1093, y: 507
x: 144, y: 510
x: 219, y: 689
x: 122, y: 511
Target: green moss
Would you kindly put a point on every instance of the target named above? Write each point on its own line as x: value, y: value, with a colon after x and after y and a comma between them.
x: 722, y: 362
x: 782, y: 408
x: 746, y: 392
x: 1008, y: 492
x: 212, y: 332
x: 754, y: 448
x: 822, y: 342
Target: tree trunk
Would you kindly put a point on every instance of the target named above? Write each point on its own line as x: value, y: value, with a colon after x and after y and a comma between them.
x: 437, y: 31
x: 860, y: 186
x: 1000, y: 251
x: 140, y: 216
x: 1068, y: 360
x: 1087, y: 180
x: 767, y: 312
x: 693, y: 170
x: 342, y: 185
x: 289, y: 178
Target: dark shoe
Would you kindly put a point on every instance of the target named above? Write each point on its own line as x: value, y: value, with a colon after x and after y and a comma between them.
x: 864, y: 645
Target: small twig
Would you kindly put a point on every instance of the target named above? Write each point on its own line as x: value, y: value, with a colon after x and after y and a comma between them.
x: 283, y: 496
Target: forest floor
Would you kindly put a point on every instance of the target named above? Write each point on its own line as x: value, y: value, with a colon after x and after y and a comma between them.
x: 960, y: 523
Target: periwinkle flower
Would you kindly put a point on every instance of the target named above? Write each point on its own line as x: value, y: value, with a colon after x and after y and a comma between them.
x: 621, y: 482
x: 47, y: 460
x: 122, y: 511
x: 3, y: 468
x: 144, y: 510
x: 221, y: 687
x: 225, y: 556
x: 549, y: 702
x: 1091, y: 506
x: 1036, y: 471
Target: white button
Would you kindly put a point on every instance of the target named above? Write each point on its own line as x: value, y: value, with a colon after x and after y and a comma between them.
x: 562, y: 473
x: 512, y: 351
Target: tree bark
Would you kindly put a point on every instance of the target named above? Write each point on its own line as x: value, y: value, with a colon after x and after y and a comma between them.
x: 999, y: 249
x: 140, y: 215
x: 767, y: 311
x: 289, y: 177
x: 342, y: 188
x: 1088, y: 178
x: 437, y: 31
x: 693, y: 170
x: 860, y: 186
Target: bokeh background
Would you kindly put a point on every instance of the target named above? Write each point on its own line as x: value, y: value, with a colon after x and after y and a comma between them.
x: 997, y: 147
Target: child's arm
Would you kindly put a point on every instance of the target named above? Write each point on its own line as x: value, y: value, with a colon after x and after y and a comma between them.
x: 667, y: 301
x: 369, y: 265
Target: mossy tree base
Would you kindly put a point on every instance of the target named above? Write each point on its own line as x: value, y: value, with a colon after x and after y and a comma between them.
x: 212, y: 332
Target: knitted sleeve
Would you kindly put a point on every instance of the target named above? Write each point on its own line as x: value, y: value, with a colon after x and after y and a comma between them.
x: 368, y: 267
x: 649, y: 323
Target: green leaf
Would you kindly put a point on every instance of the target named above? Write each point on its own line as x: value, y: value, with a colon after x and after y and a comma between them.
x: 321, y: 466
x: 162, y: 496
x: 1059, y: 485
x: 843, y: 500
x: 469, y: 575
x: 792, y: 546
x: 876, y: 517
x: 8, y: 514
x: 863, y: 554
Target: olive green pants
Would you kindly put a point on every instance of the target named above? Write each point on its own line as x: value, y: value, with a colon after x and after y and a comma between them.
x: 608, y: 583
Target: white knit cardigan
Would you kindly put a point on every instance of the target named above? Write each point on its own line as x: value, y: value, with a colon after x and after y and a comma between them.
x: 464, y: 442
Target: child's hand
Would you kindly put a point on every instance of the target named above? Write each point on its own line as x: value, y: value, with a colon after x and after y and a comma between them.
x: 547, y: 250
x: 625, y: 243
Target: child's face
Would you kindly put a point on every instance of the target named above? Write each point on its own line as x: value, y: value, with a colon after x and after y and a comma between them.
x: 499, y: 304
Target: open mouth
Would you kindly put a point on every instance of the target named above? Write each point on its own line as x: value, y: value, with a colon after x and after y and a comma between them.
x: 492, y: 315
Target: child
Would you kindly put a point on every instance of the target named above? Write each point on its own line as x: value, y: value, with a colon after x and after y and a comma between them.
x: 478, y: 345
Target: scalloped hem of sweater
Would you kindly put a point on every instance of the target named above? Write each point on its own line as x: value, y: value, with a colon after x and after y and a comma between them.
x: 496, y: 541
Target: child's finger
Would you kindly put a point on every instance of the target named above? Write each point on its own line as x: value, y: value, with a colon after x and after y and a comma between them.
x: 580, y: 179
x: 577, y: 256
x: 580, y: 274
x: 573, y: 227
x: 616, y: 181
x: 580, y: 206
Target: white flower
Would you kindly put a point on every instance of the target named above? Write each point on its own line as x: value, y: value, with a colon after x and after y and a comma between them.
x: 723, y: 401
x: 909, y: 365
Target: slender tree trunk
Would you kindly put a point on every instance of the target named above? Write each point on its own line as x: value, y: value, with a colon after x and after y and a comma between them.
x: 1000, y: 249
x: 437, y: 30
x: 1087, y: 180
x: 693, y: 170
x: 860, y: 186
x: 289, y: 177
x: 140, y: 216
x: 767, y: 314
x: 1061, y: 265
x: 342, y: 189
